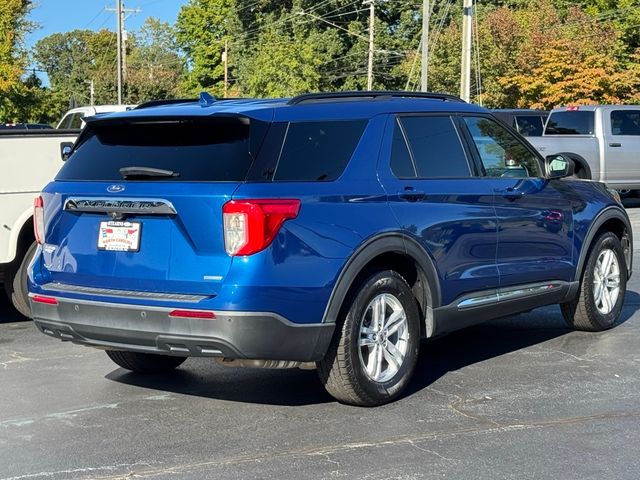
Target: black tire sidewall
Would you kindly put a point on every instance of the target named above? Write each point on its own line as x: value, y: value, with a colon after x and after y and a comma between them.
x: 392, y: 283
x: 611, y: 242
x: 19, y: 291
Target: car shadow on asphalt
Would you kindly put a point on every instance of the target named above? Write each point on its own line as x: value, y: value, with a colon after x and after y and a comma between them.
x: 296, y: 387
x: 8, y: 314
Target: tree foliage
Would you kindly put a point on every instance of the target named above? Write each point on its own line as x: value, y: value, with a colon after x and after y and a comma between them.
x: 539, y: 53
x: 13, y: 27
x: 74, y: 59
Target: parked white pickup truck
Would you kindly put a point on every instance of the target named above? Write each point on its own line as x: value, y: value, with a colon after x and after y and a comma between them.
x: 29, y: 159
x: 602, y: 140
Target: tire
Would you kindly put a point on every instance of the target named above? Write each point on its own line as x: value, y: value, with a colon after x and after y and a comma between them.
x: 16, y: 283
x: 598, y: 306
x: 145, y: 362
x: 580, y: 174
x: 626, y: 193
x: 348, y: 370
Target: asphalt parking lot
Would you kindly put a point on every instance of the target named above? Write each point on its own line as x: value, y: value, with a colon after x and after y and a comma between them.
x: 522, y: 397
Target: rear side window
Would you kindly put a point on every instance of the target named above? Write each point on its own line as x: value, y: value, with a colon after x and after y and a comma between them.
x: 318, y: 151
x: 196, y: 150
x: 434, y: 146
x: 570, y: 123
x: 530, y: 125
x: 625, y: 122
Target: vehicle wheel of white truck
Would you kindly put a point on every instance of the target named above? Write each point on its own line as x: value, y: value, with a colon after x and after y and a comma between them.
x: 145, y: 362
x: 16, y: 283
x: 375, y: 348
x: 604, y: 282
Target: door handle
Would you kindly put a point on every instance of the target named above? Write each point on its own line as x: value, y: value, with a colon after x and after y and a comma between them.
x: 615, y: 145
x: 410, y: 194
x: 510, y: 193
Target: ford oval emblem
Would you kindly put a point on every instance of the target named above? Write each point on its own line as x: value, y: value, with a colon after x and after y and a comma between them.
x: 115, y: 188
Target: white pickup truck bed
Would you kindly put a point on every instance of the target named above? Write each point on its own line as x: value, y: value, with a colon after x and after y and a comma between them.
x: 29, y: 159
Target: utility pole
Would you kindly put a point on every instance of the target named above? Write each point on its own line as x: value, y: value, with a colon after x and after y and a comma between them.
x: 465, y: 71
x: 372, y: 17
x: 225, y: 59
x: 121, y: 57
x: 119, y: 7
x: 426, y: 16
x: 92, y: 92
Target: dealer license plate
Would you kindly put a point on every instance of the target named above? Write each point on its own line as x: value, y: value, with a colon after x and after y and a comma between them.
x: 119, y: 236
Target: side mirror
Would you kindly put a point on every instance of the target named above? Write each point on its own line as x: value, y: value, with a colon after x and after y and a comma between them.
x: 66, y: 149
x: 559, y: 166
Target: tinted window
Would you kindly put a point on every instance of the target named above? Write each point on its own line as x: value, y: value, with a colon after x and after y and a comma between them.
x: 196, y: 150
x: 625, y: 122
x: 502, y: 154
x: 401, y: 163
x: 435, y: 147
x: 530, y: 125
x: 570, y: 123
x: 318, y: 151
x: 66, y: 120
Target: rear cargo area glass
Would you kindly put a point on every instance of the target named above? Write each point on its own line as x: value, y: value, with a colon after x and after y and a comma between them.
x: 196, y: 150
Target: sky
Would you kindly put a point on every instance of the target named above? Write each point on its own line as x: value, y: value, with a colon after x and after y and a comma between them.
x: 54, y: 16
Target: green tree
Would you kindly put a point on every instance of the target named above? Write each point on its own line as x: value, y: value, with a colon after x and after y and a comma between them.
x: 73, y: 59
x: 202, y: 28
x: 286, y: 60
x: 29, y: 101
x: 155, y: 68
x: 13, y: 27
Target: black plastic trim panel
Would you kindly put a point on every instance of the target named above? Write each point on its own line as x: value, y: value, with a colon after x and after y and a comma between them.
x: 235, y: 335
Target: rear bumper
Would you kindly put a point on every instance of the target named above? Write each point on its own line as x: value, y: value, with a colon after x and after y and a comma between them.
x: 263, y: 336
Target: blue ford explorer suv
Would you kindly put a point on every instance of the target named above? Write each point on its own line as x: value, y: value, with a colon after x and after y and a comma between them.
x: 329, y: 230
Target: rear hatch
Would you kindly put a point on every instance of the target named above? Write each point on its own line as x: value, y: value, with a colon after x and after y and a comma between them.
x: 138, y: 205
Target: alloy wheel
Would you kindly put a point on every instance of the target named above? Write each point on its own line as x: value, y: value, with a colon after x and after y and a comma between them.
x: 383, y: 338
x: 606, y: 281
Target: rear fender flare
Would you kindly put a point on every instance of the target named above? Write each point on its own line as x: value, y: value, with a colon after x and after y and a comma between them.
x: 381, y: 244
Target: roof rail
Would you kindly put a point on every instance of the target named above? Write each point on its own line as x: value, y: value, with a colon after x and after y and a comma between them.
x: 157, y: 103
x: 372, y: 95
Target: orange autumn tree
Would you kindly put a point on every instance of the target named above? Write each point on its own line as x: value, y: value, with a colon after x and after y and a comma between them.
x: 575, y: 60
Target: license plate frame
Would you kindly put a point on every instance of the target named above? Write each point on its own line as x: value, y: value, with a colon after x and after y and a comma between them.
x: 119, y: 236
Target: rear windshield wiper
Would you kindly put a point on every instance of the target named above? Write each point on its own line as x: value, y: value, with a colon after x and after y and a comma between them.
x: 127, y: 172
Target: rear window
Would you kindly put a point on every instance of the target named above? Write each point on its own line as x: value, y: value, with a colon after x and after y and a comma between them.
x: 197, y: 150
x: 570, y: 123
x: 318, y: 151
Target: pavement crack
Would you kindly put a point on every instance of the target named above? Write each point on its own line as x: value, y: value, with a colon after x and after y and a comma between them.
x: 16, y: 357
x: 327, y: 450
x: 456, y: 407
x: 81, y: 470
x: 433, y: 452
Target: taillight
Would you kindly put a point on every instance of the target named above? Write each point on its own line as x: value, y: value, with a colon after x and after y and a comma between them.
x: 251, y: 225
x: 38, y: 219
